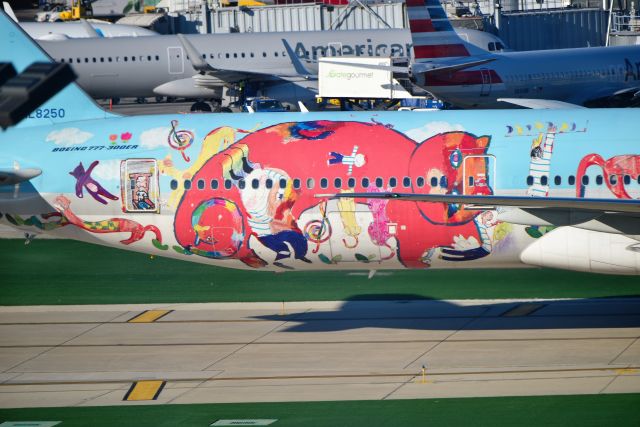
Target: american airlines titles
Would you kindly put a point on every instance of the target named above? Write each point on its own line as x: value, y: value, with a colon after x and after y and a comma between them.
x: 338, y: 49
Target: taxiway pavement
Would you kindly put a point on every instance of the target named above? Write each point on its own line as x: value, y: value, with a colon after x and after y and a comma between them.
x: 265, y: 352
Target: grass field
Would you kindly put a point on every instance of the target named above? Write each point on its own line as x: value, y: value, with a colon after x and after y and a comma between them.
x: 69, y: 272
x: 583, y: 410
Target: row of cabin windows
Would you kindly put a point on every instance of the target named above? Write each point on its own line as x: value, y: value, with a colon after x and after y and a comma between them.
x: 574, y: 74
x: 379, y: 182
x: 310, y: 183
x: 242, y: 55
x: 141, y: 58
x: 599, y: 180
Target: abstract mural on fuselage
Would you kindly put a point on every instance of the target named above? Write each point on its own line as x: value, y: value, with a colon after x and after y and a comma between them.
x: 264, y: 211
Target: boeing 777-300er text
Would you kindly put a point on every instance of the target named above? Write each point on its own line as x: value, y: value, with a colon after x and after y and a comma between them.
x: 333, y: 190
x: 467, y: 77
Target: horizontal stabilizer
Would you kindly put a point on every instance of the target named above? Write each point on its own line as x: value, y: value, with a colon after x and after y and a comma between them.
x: 16, y: 176
x: 608, y: 205
x: 540, y: 104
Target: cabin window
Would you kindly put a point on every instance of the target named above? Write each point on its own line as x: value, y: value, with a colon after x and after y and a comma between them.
x: 544, y: 180
x: 585, y: 180
x: 149, y: 58
x: 572, y: 180
x: 406, y: 182
x: 94, y: 59
x: 109, y: 59
x: 324, y: 183
x: 379, y: 182
x: 235, y: 55
x: 351, y: 182
x: 529, y: 180
x: 471, y: 181
x: 157, y: 58
x: 420, y: 182
x: 275, y: 54
x: 365, y: 182
x: 296, y: 183
x: 337, y: 183
x: 241, y: 184
x: 434, y: 181
x: 599, y: 180
x: 283, y: 183
x: 557, y: 180
x: 228, y: 184
x: 613, y: 179
x: 214, y: 184
x: 226, y: 55
x: 251, y: 54
x: 443, y: 182
x: 310, y: 183
x: 268, y: 183
x: 71, y: 60
x: 264, y: 54
x: 101, y: 59
x: 242, y: 54
x: 393, y: 182
x: 126, y: 58
x: 255, y: 183
x: 627, y: 180
x: 201, y: 184
x: 173, y: 184
x: 187, y: 184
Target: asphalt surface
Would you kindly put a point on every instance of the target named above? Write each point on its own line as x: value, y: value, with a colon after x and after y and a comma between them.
x: 275, y: 352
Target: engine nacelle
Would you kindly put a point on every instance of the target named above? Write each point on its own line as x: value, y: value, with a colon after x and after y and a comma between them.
x: 186, y: 88
x: 571, y: 248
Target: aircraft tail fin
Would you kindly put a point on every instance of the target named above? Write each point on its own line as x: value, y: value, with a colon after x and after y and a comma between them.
x: 70, y: 104
x: 432, y: 33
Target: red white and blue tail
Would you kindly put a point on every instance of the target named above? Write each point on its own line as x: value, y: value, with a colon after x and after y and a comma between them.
x: 433, y: 36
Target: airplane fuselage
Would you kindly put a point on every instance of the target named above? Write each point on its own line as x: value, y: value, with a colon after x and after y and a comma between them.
x: 570, y: 75
x: 242, y: 190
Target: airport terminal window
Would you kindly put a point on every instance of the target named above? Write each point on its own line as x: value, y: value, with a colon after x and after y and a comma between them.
x: 572, y: 180
x: 544, y: 180
x: 296, y: 183
x: 310, y: 183
x: 613, y: 179
x: 365, y: 182
x: 599, y: 180
x: 379, y: 182
x: 351, y: 182
x: 173, y: 184
x: 268, y: 183
x: 557, y: 180
x: 283, y: 183
x: 187, y: 184
x: 255, y: 183
x: 214, y: 184
x: 393, y: 182
x: 529, y: 180
x: 420, y: 182
x: 227, y: 184
x: 406, y: 182
x: 337, y: 183
x: 434, y: 181
x: 241, y: 184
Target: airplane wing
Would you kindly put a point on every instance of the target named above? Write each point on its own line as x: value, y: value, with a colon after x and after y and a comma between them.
x: 627, y: 97
x: 216, y: 75
x: 16, y: 176
x: 488, y: 202
x: 540, y: 104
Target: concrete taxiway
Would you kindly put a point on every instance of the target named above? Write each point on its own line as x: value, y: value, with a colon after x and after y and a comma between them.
x: 206, y: 353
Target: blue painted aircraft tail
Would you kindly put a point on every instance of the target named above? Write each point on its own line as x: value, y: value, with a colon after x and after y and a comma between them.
x: 70, y: 104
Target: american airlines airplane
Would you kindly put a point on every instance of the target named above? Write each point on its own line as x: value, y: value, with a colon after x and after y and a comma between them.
x: 198, y: 66
x: 334, y: 190
x: 459, y: 73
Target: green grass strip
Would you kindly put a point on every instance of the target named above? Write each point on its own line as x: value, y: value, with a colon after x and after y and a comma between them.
x: 70, y: 272
x: 581, y: 410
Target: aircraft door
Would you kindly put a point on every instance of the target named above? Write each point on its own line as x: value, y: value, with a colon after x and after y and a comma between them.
x: 479, y: 174
x: 176, y: 60
x: 485, y: 88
